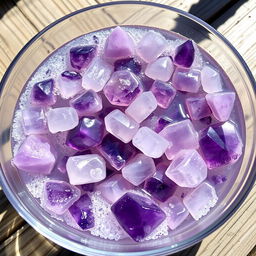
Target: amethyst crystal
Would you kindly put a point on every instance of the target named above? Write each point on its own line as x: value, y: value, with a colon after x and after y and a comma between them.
x: 185, y: 54
x: 128, y: 64
x: 161, y: 123
x: 88, y: 187
x: 71, y: 75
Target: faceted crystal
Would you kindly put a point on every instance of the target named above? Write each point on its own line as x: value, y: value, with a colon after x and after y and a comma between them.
x: 85, y: 169
x: 137, y: 215
x: 88, y: 133
x: 97, y: 75
x: 185, y: 54
x: 200, y: 200
x: 87, y: 103
x: 82, y: 56
x: 220, y: 145
x: 198, y: 108
x: 142, y: 106
x: 115, y: 151
x: 161, y: 69
x: 151, y: 46
x: 42, y: 93
x: 62, y: 119
x: 130, y: 64
x: 181, y: 135
x: 221, y: 104
x: 186, y: 80
x: 139, y: 169
x: 150, y: 143
x: 58, y: 196
x: 36, y: 155
x: 118, y: 45
x: 34, y: 121
x: 210, y: 79
x: 122, y: 88
x: 121, y: 126
x: 187, y: 169
x: 164, y: 93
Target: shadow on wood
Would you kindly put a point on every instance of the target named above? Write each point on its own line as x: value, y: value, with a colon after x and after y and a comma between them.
x: 6, y: 5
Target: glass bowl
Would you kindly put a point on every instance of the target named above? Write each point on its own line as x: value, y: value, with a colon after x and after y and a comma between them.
x: 95, y: 18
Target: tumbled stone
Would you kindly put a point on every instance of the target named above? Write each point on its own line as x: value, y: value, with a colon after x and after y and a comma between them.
x: 87, y: 103
x: 85, y: 169
x: 142, y: 106
x: 130, y: 64
x: 58, y: 196
x: 139, y: 169
x: 122, y: 88
x: 88, y: 133
x: 187, y: 169
x: 181, y: 135
x: 150, y: 143
x: 62, y: 119
x: 137, y: 215
x: 200, y: 200
x: 220, y: 144
x: 36, y: 155
x: 121, y: 126
x: 221, y: 104
x: 164, y: 93
x: 210, y: 80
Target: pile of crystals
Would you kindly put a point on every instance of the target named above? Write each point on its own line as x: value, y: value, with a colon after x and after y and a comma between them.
x: 108, y: 101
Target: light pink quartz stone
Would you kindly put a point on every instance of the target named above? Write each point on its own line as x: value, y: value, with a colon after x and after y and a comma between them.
x: 221, y: 104
x: 181, y: 135
x: 151, y: 46
x: 121, y: 126
x: 139, y: 169
x: 150, y: 143
x: 161, y: 69
x: 97, y: 75
x: 200, y: 200
x: 142, y: 106
x: 210, y: 79
x: 187, y: 169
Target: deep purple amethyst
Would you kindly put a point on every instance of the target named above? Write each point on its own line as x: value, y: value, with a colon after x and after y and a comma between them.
x: 42, y: 93
x: 88, y: 133
x: 185, y: 54
x: 206, y: 120
x: 88, y: 187
x: 137, y: 215
x: 81, y: 212
x: 81, y: 56
x: 115, y: 151
x: 162, y: 122
x: 62, y: 164
x: 71, y: 75
x: 219, y: 179
x: 130, y: 64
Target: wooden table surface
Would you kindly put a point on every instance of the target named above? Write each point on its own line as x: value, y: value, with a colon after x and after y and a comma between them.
x: 235, y: 19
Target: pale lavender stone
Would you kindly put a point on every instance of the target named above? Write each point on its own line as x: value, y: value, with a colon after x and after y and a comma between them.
x: 62, y: 119
x: 85, y: 169
x: 186, y: 80
x: 36, y: 155
x: 122, y: 88
x: 161, y: 69
x: 58, y: 196
x: 97, y: 75
x: 139, y: 169
x: 187, y: 169
x: 34, y: 121
x: 87, y: 103
x: 150, y: 143
x: 210, y: 80
x: 121, y: 126
x: 142, y: 106
x: 164, y: 93
x: 181, y: 135
x: 221, y: 104
x: 119, y: 45
x: 151, y: 46
x: 200, y: 200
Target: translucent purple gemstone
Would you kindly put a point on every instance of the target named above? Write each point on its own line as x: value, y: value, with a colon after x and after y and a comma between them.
x: 42, y: 93
x: 185, y: 54
x: 81, y: 56
x: 220, y: 144
x: 88, y: 133
x: 88, y: 187
x: 218, y: 179
x: 71, y: 75
x: 62, y: 164
x: 137, y: 215
x: 115, y: 151
x: 128, y: 64
x: 162, y: 122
